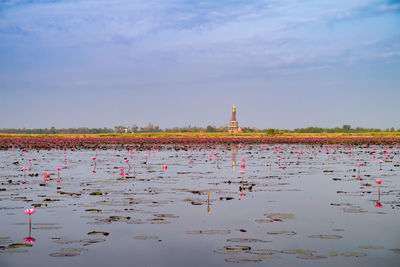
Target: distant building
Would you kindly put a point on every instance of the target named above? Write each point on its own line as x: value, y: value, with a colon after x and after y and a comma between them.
x: 233, y: 124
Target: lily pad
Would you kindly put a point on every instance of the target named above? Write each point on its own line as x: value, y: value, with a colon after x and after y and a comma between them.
x: 396, y: 250
x: 353, y: 210
x: 238, y: 247
x: 96, y: 210
x: 92, y: 241
x: 47, y: 227
x: 45, y: 224
x: 353, y: 254
x: 64, y: 254
x: 77, y: 250
x: 282, y: 216
x: 242, y: 260
x: 228, y: 251
x: 326, y: 236
x: 19, y: 245
x: 85, y: 241
x: 282, y: 233
x: 96, y: 193
x: 98, y: 233
x: 311, y: 257
x: 13, y: 250
x: 264, y: 220
x: 245, y: 240
x: 299, y: 251
x: 166, y: 216
x: 371, y: 247
x: 340, y: 204
x: 265, y: 257
x: 264, y: 251
x: 208, y: 232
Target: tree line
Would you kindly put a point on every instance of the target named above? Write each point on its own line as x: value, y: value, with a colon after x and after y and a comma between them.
x: 210, y: 128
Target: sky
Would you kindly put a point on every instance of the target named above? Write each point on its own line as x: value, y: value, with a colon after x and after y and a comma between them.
x: 284, y: 63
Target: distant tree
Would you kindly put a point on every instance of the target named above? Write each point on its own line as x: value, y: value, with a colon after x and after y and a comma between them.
x: 119, y: 129
x: 134, y: 128
x: 150, y: 128
x: 346, y: 127
x: 211, y: 129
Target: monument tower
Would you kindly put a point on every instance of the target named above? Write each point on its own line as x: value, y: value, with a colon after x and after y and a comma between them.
x: 233, y: 124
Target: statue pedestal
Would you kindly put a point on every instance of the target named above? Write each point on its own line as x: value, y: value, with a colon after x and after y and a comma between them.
x: 233, y: 127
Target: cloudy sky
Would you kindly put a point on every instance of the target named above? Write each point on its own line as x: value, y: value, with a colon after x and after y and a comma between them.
x: 284, y: 63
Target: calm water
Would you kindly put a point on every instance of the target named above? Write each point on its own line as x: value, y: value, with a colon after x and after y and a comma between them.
x: 295, y: 205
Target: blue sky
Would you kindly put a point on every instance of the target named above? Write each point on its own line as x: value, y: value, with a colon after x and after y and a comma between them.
x: 285, y: 64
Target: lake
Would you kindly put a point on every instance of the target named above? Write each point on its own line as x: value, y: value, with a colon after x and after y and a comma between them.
x: 232, y: 205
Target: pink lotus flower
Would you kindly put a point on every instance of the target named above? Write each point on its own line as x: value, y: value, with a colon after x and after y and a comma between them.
x: 94, y: 158
x: 30, y: 211
x: 378, y: 205
x: 378, y: 181
x: 242, y: 172
x: 46, y: 175
x: 164, y: 167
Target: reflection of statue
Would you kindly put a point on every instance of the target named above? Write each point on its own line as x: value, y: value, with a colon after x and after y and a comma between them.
x: 208, y: 201
x: 234, y: 149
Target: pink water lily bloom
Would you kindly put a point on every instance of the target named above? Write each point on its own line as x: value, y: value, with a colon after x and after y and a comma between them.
x: 30, y: 211
x: 378, y: 181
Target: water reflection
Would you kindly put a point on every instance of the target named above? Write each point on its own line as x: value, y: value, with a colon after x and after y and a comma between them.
x: 208, y: 201
x: 46, y: 177
x: 30, y: 239
x: 234, y: 150
x: 94, y: 164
